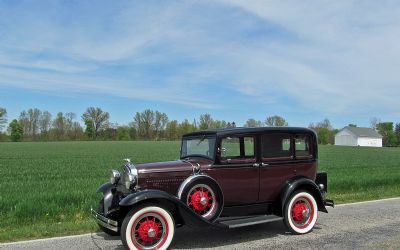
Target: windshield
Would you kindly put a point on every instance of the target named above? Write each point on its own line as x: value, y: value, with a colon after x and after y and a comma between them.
x: 200, y: 146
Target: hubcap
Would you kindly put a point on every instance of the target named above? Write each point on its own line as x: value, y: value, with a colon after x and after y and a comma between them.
x: 149, y: 231
x: 302, y: 212
x: 201, y: 199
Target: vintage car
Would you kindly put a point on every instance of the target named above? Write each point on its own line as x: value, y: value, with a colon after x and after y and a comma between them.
x: 225, y: 178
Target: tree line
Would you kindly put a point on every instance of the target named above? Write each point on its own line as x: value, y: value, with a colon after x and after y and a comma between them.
x: 40, y: 125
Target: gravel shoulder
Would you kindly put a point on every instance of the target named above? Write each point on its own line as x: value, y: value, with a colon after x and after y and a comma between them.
x: 365, y: 225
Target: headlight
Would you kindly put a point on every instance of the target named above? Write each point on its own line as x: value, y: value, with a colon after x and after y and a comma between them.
x: 130, y: 181
x: 115, y: 177
x: 130, y: 177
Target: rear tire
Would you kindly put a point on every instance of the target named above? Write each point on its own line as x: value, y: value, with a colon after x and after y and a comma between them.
x: 300, y: 212
x: 149, y: 226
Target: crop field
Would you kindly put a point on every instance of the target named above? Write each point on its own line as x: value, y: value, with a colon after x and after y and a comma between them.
x: 47, y: 188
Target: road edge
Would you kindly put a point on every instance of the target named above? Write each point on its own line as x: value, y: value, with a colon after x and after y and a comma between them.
x: 88, y: 234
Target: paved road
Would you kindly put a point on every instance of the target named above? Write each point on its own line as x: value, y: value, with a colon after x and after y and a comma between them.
x: 369, y: 225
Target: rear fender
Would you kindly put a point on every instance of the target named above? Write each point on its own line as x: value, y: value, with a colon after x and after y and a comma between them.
x: 302, y: 183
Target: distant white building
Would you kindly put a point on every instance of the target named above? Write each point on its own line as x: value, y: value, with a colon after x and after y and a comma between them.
x: 355, y: 136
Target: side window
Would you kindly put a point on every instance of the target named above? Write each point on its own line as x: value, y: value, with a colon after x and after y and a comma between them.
x: 230, y: 147
x: 302, y: 145
x: 276, y: 147
x: 237, y: 150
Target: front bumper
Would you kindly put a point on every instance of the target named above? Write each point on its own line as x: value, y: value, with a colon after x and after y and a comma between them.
x: 105, y: 222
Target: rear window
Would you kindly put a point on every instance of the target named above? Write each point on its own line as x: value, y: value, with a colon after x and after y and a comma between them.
x: 302, y: 145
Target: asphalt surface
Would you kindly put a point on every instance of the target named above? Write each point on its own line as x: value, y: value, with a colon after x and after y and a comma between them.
x: 367, y: 225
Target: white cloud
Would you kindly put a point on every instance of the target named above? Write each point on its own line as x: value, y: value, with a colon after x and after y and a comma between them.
x: 329, y: 57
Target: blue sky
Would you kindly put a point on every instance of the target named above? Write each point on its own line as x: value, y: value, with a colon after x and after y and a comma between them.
x: 303, y: 60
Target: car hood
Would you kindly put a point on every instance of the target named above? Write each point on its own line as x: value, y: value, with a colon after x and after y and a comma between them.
x: 169, y: 166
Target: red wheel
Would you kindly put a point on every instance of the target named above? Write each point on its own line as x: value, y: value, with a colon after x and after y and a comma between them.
x: 301, y: 212
x: 204, y: 198
x: 149, y: 227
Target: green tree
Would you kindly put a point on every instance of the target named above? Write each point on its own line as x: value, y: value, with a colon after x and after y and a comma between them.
x: 386, y: 130
x: 89, y: 131
x: 276, y: 121
x: 172, y: 130
x: 219, y: 124
x: 325, y: 132
x: 123, y: 133
x: 253, y: 123
x: 185, y: 127
x: 397, y: 133
x: 3, y: 117
x: 16, y: 130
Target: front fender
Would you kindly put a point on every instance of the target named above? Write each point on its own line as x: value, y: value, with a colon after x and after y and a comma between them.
x: 104, y: 188
x: 306, y: 184
x: 184, y: 213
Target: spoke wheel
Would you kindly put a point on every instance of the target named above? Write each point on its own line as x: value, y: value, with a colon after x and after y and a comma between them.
x: 149, y: 227
x: 301, y: 212
x: 201, y: 199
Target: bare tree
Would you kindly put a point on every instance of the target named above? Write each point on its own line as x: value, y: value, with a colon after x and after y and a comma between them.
x: 161, y: 120
x: 3, y: 117
x: 45, y: 122
x: 97, y: 117
x: 59, y: 126
x: 205, y: 121
x: 374, y: 122
x: 147, y: 120
x: 34, y: 115
x: 24, y: 122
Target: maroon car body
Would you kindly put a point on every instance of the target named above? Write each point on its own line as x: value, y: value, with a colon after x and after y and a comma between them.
x: 224, y: 177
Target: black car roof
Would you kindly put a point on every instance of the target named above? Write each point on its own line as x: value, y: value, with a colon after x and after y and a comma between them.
x: 246, y: 130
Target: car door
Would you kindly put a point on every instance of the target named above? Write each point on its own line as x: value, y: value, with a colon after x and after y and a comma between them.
x: 284, y: 156
x: 236, y: 170
x: 277, y: 165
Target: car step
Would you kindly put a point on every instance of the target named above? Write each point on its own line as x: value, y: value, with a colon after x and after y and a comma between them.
x: 247, y: 220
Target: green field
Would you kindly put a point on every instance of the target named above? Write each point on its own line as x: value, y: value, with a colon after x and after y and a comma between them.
x: 47, y: 189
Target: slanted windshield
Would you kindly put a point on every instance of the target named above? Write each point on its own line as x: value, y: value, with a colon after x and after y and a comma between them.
x: 198, y: 146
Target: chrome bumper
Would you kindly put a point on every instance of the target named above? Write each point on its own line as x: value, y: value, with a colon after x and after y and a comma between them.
x: 105, y: 222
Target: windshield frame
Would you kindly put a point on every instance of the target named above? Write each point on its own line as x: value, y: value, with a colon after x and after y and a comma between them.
x: 201, y: 137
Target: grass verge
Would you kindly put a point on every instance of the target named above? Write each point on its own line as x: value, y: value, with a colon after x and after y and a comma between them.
x: 48, y: 188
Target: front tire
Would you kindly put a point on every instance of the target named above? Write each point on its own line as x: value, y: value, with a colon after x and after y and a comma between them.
x: 301, y: 212
x: 148, y: 227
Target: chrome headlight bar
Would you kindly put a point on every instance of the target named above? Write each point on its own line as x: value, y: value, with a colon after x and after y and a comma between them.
x: 115, y: 177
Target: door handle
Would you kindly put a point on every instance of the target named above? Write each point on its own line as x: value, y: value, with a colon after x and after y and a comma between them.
x: 264, y: 164
x: 256, y: 165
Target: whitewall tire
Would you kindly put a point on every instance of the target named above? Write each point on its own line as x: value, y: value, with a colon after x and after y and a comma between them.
x: 301, y: 212
x: 148, y: 227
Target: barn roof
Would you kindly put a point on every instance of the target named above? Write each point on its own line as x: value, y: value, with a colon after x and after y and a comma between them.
x: 363, y: 132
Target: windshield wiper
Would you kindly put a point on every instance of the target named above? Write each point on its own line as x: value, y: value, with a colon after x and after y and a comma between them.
x: 201, y: 140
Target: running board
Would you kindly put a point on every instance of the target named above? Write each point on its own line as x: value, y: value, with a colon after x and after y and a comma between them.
x: 247, y: 220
